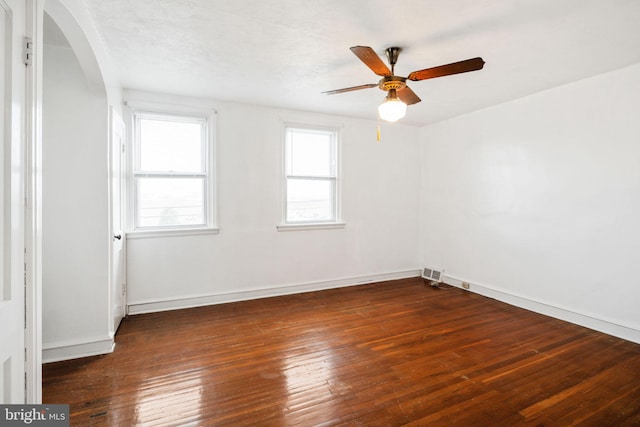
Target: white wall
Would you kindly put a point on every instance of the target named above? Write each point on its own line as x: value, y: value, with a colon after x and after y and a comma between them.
x: 537, y: 201
x: 74, y: 206
x: 99, y: 71
x: 249, y: 257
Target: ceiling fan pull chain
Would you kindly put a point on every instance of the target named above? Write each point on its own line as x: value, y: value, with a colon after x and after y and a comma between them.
x: 378, y: 132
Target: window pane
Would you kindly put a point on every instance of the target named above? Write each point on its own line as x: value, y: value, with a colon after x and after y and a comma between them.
x: 167, y: 145
x: 170, y: 202
x: 310, y: 153
x: 310, y: 200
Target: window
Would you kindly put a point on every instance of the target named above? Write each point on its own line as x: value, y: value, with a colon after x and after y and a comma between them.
x: 311, y: 175
x: 172, y: 171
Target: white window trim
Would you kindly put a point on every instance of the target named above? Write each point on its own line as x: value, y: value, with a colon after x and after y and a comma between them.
x: 174, y: 232
x: 211, y: 227
x: 310, y: 225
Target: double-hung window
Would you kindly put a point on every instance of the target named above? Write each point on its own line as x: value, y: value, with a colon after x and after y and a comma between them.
x: 172, y: 172
x: 311, y: 175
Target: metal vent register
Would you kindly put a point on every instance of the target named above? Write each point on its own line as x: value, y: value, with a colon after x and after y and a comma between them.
x: 432, y: 274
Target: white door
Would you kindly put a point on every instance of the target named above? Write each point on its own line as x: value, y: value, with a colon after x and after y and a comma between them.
x: 12, y: 211
x: 118, y: 287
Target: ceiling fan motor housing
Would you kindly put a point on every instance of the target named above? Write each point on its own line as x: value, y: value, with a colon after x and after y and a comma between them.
x: 392, y: 82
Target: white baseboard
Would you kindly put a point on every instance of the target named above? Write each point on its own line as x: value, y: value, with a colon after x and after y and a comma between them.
x: 66, y: 350
x: 197, y: 301
x: 610, y: 327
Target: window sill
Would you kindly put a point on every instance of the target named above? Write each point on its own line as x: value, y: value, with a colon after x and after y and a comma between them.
x: 310, y: 226
x: 151, y: 234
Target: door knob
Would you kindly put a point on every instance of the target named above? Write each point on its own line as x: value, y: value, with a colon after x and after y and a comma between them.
x: 118, y: 236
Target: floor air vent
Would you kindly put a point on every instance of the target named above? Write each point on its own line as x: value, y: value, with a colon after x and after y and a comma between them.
x: 431, y: 274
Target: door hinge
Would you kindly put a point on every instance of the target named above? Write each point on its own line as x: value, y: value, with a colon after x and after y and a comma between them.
x: 28, y: 51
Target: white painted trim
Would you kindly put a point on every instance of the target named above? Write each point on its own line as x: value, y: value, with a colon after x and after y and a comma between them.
x: 243, y: 295
x: 591, y: 321
x: 66, y: 350
x: 32, y: 179
x: 310, y: 226
x: 179, y: 107
x: 174, y: 232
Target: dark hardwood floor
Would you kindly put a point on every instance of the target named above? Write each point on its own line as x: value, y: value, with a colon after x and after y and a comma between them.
x: 386, y: 354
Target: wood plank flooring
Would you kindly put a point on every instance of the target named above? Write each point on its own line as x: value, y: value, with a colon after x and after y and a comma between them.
x: 384, y: 354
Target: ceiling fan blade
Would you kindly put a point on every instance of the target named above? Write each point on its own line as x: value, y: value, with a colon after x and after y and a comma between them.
x: 371, y: 60
x: 408, y: 96
x: 349, y: 89
x: 473, y: 64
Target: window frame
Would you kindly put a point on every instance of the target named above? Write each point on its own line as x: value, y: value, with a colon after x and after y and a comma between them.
x: 336, y: 178
x: 207, y: 116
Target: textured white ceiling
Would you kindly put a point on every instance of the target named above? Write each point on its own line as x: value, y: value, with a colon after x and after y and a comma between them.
x: 283, y: 53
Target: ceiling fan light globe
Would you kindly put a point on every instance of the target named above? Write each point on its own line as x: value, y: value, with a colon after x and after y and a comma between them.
x: 392, y: 110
